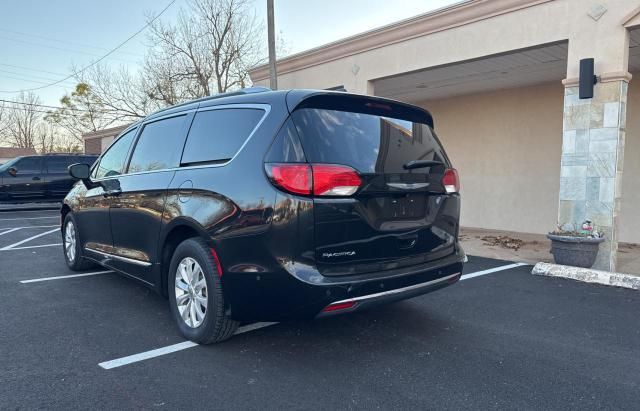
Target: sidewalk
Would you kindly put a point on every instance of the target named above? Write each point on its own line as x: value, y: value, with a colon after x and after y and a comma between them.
x: 532, y: 248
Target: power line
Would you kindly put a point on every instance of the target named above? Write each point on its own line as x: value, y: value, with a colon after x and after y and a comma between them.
x: 112, y: 118
x: 100, y: 59
x: 34, y: 81
x: 55, y: 108
x: 48, y: 46
x: 32, y: 69
x: 72, y: 43
x: 31, y: 77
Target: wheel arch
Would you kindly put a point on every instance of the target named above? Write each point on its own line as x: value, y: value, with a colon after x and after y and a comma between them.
x: 173, y: 234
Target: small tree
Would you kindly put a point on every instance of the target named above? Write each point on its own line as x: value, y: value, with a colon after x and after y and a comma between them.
x: 83, y: 111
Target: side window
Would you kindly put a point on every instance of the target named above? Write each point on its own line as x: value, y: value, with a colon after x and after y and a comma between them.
x: 29, y: 165
x: 217, y: 135
x: 159, y: 145
x: 58, y: 164
x: 112, y: 162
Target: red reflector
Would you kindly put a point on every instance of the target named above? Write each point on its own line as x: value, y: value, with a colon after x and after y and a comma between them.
x: 451, y: 181
x: 217, y: 261
x: 340, y: 306
x: 334, y: 180
x: 295, y: 178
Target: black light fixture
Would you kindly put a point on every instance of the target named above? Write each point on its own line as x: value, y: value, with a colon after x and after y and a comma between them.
x: 587, y: 78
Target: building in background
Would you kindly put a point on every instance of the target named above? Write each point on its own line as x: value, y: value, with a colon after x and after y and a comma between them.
x: 500, y: 78
x: 97, y: 141
x: 8, y: 153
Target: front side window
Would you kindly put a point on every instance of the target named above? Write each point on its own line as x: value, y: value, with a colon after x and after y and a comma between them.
x: 217, y: 135
x: 159, y: 146
x: 112, y: 162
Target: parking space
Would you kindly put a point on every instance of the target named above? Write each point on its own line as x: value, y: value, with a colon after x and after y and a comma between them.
x: 501, y: 338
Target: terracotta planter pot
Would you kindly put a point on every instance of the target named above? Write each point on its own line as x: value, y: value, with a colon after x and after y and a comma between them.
x: 574, y: 251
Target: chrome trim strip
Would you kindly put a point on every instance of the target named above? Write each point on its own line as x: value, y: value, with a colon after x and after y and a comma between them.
x: 408, y: 186
x: 395, y: 291
x: 117, y: 257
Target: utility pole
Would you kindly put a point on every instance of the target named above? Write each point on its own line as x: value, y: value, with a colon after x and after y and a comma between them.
x: 273, y: 82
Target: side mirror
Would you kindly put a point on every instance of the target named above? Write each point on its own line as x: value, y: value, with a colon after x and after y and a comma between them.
x: 13, y: 171
x: 81, y: 172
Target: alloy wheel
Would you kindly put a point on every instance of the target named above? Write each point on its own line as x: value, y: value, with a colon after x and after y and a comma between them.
x: 191, y: 292
x: 70, y: 241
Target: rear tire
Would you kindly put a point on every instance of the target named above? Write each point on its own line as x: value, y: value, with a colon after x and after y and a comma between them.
x: 71, y: 247
x: 195, y: 294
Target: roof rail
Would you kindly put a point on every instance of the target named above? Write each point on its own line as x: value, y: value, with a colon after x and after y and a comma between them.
x: 246, y: 90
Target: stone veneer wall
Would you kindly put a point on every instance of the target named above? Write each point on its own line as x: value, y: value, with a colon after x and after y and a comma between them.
x: 592, y: 159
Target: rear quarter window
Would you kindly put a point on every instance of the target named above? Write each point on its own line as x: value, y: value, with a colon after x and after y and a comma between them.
x: 217, y: 135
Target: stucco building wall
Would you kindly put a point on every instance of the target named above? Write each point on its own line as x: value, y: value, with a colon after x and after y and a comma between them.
x: 506, y: 146
x: 630, y: 203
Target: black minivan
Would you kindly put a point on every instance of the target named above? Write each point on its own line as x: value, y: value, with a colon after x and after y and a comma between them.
x: 38, y: 178
x: 271, y: 205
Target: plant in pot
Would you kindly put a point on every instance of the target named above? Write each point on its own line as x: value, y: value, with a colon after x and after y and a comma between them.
x: 576, y: 247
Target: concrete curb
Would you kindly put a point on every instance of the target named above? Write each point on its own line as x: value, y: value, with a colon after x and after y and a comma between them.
x: 588, y: 275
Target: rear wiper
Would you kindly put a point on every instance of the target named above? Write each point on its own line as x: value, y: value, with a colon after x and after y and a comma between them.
x: 421, y: 164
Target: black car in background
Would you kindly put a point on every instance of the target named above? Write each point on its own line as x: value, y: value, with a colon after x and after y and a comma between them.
x: 271, y: 205
x: 38, y: 178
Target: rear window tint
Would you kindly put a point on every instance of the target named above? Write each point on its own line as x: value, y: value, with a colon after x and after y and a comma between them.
x: 367, y: 142
x: 217, y: 135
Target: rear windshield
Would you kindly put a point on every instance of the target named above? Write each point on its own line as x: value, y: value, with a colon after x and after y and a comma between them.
x: 367, y: 142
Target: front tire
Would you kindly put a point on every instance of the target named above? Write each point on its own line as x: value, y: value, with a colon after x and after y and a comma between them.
x: 195, y: 294
x: 71, y: 245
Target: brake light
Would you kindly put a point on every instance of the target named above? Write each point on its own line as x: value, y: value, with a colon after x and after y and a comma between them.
x: 451, y: 181
x: 334, y: 180
x: 294, y: 178
x: 315, y: 179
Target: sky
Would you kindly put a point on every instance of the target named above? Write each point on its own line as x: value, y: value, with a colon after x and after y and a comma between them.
x: 40, y: 40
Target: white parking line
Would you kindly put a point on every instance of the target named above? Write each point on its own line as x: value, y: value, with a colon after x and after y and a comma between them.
x: 11, y: 230
x: 119, y: 362
x: 25, y: 227
x: 63, y: 277
x: 28, y: 218
x: 14, y: 245
x: 31, y: 246
x: 491, y: 270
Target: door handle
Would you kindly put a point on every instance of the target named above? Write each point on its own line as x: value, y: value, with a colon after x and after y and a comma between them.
x: 406, y: 242
x: 112, y: 193
x: 36, y: 178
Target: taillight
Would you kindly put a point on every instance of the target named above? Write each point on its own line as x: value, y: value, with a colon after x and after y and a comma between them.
x: 315, y: 179
x: 334, y: 180
x: 451, y: 181
x: 294, y: 178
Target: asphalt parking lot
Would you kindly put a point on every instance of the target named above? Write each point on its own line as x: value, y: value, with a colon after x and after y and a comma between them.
x: 500, y: 339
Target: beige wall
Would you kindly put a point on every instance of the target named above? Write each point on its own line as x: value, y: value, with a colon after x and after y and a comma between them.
x: 521, y: 24
x: 506, y: 146
x: 630, y: 207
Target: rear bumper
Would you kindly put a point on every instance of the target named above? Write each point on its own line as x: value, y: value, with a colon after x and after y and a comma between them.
x: 284, y: 295
x: 384, y: 297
